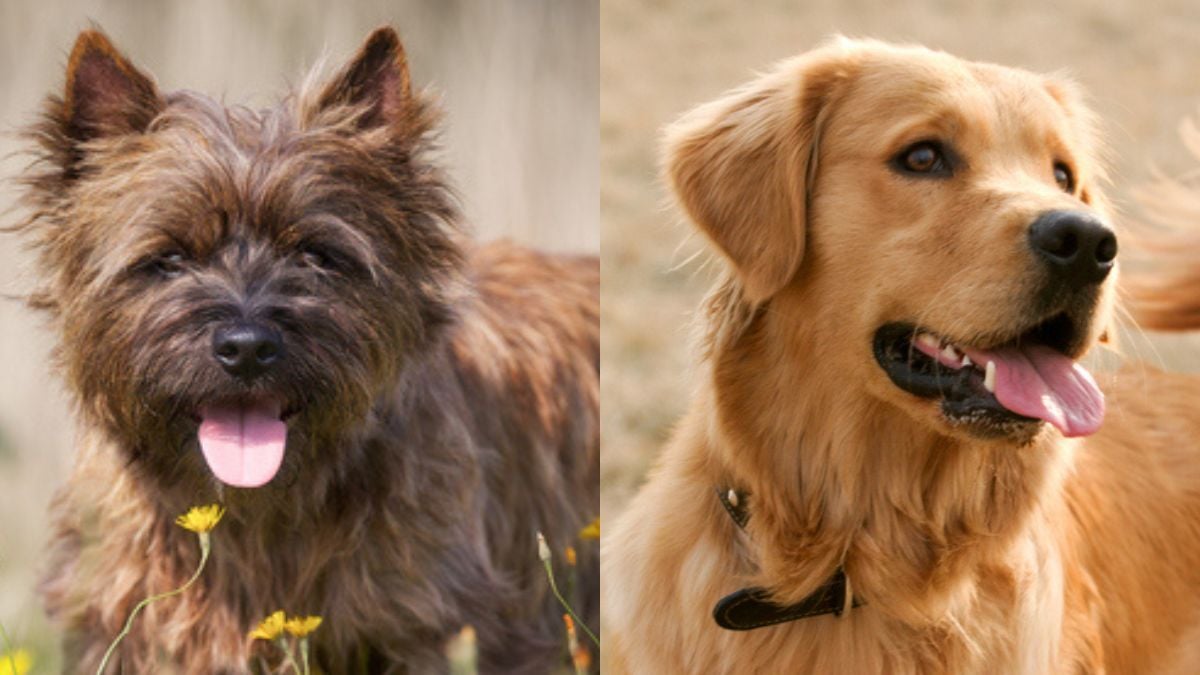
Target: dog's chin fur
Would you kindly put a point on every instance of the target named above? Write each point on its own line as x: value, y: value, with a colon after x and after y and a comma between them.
x: 441, y: 396
x: 1026, y: 554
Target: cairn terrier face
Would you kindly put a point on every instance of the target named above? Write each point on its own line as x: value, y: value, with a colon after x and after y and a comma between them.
x: 244, y: 281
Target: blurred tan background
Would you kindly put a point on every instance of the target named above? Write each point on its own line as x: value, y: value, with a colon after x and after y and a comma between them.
x: 518, y: 80
x: 1139, y: 59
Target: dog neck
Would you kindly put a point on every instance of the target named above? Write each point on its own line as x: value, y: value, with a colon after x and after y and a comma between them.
x: 841, y: 478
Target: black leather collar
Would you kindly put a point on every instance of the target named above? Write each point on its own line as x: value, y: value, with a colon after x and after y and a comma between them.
x: 752, y: 608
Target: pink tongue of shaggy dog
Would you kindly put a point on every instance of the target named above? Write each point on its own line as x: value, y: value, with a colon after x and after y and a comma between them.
x: 243, y: 445
x: 1036, y: 381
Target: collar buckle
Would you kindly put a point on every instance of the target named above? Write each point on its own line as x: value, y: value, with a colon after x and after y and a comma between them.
x: 752, y: 607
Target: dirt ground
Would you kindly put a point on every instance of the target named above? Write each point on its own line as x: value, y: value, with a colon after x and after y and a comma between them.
x: 1140, y: 61
x: 519, y: 84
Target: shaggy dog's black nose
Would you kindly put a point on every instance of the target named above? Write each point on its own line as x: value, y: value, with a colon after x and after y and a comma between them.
x: 1078, y: 249
x: 247, y: 349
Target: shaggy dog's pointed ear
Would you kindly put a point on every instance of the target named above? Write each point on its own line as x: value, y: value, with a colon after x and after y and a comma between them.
x: 742, y: 166
x: 106, y: 95
x: 376, y: 79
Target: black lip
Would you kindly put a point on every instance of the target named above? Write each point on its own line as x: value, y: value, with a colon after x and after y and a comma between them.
x: 964, y: 399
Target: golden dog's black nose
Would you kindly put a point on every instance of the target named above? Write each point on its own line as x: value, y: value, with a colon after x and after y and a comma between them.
x: 1078, y: 249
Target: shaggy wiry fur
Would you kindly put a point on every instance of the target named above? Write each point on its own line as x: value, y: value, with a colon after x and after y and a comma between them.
x: 974, y: 550
x: 442, y: 396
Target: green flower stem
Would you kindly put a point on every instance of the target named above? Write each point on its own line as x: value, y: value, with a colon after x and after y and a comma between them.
x: 304, y: 654
x: 578, y: 621
x: 289, y: 656
x: 8, y: 650
x: 571, y: 574
x: 205, y: 547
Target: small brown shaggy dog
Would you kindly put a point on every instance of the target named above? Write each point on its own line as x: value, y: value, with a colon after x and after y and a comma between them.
x: 919, y: 252
x: 276, y: 310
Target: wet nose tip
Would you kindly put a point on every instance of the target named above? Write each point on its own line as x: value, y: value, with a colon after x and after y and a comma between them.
x: 247, y: 349
x: 1076, y: 246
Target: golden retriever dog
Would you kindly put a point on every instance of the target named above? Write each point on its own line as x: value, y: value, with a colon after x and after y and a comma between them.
x: 895, y: 462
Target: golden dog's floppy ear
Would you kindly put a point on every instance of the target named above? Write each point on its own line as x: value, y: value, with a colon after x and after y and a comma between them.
x: 742, y: 166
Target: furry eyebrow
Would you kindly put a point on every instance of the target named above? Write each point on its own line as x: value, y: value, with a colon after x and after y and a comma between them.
x: 905, y: 131
x: 195, y: 231
x: 332, y: 232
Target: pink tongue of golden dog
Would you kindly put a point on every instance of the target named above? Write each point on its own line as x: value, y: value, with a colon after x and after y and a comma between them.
x: 243, y: 445
x: 1036, y: 381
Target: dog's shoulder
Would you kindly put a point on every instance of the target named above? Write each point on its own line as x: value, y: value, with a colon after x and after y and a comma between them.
x: 527, y: 336
x: 506, y: 272
x: 534, y: 304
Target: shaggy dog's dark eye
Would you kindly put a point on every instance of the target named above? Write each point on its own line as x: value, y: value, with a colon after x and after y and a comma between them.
x: 314, y: 257
x: 168, y: 265
x: 926, y: 157
x: 1064, y: 177
x: 323, y: 258
x: 330, y: 259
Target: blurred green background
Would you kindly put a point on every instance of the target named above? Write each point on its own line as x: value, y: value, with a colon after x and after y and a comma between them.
x: 519, y: 83
x: 1139, y: 59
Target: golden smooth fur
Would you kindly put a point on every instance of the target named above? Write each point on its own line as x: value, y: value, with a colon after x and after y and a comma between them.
x: 1165, y: 294
x: 1037, y: 555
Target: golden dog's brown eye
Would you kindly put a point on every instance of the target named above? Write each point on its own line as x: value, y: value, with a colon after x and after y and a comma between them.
x: 1064, y: 178
x: 925, y: 157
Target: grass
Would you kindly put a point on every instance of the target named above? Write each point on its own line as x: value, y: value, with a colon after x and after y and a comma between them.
x: 290, y: 634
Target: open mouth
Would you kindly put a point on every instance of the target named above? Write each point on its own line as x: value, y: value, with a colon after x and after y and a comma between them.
x: 243, y: 441
x: 1001, y: 390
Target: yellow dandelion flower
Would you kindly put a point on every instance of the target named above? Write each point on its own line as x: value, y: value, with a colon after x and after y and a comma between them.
x: 592, y: 530
x: 270, y: 628
x: 201, y: 519
x: 571, y: 556
x: 302, y: 626
x: 20, y: 660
